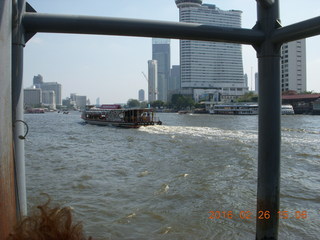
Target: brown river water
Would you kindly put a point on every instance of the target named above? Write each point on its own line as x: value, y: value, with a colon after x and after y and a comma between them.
x: 161, y: 182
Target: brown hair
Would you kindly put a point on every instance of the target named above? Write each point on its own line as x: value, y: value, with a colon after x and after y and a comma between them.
x: 51, y: 224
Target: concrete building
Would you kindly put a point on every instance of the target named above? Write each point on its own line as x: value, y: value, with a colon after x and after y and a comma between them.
x: 53, y: 86
x: 49, y: 99
x: 37, y: 81
x: 73, y: 97
x: 175, y: 80
x: 293, y: 66
x: 32, y: 97
x: 245, y: 78
x: 161, y: 53
x: 98, y: 102
x: 77, y: 101
x: 210, y: 65
x: 152, y: 80
x: 141, y: 95
x: 81, y: 101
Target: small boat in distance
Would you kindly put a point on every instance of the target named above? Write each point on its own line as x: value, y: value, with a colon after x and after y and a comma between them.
x: 287, y: 110
x: 184, y: 112
x: 115, y: 115
x: 35, y: 110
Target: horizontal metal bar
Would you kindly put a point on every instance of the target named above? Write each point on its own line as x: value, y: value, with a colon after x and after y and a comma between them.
x: 39, y: 22
x: 308, y: 28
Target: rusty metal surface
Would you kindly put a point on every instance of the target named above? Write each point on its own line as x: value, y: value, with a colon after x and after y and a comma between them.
x: 7, y: 186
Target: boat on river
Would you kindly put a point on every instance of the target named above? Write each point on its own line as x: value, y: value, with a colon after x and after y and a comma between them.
x: 235, y: 109
x: 246, y: 109
x: 35, y: 110
x: 116, y: 116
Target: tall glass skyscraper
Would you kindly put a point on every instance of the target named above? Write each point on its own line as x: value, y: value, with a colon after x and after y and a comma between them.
x: 210, y: 65
x: 161, y: 53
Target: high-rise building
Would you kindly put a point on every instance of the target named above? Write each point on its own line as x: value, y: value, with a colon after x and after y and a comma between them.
x: 293, y: 66
x: 141, y: 95
x: 78, y: 101
x: 49, y: 99
x: 161, y: 53
x: 245, y: 77
x: 73, y: 97
x: 32, y: 97
x: 174, y: 83
x: 53, y: 86
x: 210, y: 65
x: 37, y: 81
x: 81, y: 101
x: 152, y: 80
x: 256, y: 81
x: 98, y: 102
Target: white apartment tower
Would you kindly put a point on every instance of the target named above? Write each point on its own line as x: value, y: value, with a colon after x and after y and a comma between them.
x: 210, y: 65
x: 293, y: 66
x: 152, y: 80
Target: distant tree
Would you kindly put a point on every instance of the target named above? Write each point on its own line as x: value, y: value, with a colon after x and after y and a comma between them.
x: 157, y: 104
x: 180, y: 102
x: 309, y: 92
x: 199, y: 105
x: 289, y: 92
x: 133, y: 103
x: 143, y: 104
x: 248, y: 97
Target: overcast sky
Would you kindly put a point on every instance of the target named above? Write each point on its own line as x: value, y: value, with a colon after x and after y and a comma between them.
x: 110, y: 67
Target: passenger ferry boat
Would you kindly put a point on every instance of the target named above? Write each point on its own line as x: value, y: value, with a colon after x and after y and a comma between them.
x: 287, y: 110
x: 233, y: 109
x: 114, y: 115
x: 245, y: 109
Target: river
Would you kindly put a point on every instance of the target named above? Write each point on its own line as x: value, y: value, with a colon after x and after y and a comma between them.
x: 161, y: 182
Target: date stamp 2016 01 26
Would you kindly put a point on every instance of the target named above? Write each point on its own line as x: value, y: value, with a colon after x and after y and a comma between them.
x: 261, y: 215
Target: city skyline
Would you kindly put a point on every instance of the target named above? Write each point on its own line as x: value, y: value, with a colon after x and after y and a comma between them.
x: 110, y: 67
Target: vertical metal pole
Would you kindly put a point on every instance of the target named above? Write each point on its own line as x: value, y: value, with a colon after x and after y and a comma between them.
x: 7, y: 184
x: 269, y: 123
x: 18, y: 44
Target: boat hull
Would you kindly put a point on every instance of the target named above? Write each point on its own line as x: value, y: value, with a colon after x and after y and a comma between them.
x: 124, y: 118
x: 120, y: 124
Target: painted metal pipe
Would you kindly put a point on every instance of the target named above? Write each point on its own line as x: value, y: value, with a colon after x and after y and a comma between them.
x: 7, y: 183
x: 17, y: 106
x: 269, y: 136
x: 38, y: 22
x: 297, y: 31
